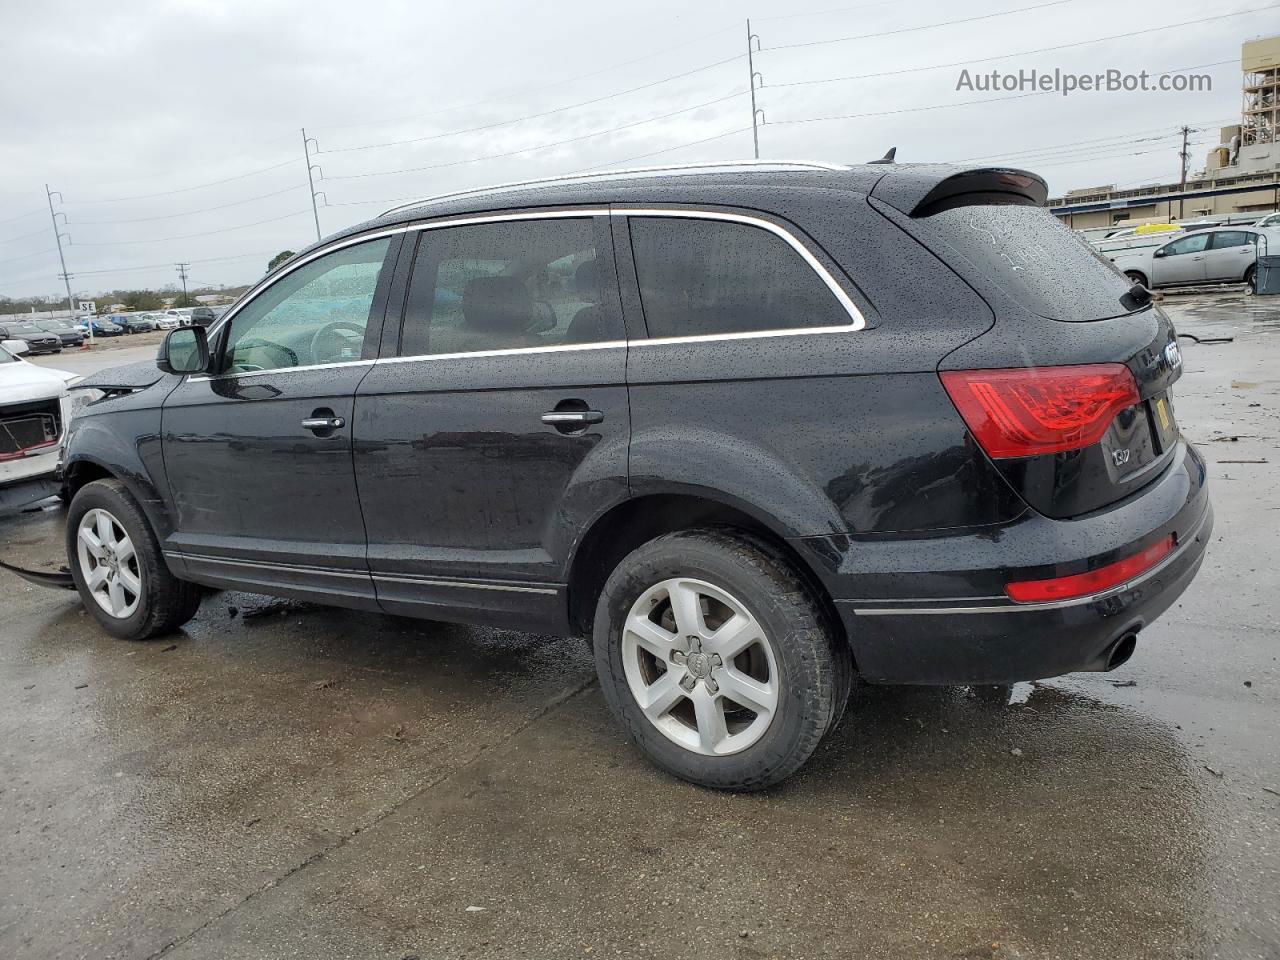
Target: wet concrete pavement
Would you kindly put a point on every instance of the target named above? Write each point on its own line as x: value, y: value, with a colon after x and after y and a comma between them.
x: 317, y: 783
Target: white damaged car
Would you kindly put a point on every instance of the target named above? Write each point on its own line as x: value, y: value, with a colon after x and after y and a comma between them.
x: 35, y: 407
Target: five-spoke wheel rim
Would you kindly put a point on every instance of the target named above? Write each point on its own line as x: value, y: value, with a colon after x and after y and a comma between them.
x: 109, y: 563
x: 700, y: 666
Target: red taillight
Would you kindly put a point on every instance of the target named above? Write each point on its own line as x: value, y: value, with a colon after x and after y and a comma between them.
x: 1095, y: 581
x: 1027, y: 411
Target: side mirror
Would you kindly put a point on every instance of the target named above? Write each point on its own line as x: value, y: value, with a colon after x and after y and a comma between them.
x: 185, y: 350
x: 1161, y: 253
x: 16, y: 347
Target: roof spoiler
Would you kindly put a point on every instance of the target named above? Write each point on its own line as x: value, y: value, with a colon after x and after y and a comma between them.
x: 919, y: 190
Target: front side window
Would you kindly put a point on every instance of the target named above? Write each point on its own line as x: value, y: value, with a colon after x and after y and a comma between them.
x: 316, y: 314
x: 1192, y: 244
x: 507, y: 285
x: 700, y: 277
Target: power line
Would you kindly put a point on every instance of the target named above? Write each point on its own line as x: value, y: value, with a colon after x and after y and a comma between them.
x: 926, y: 26
x: 169, y: 265
x: 28, y: 256
x: 540, y: 146
x: 526, y: 91
x: 820, y: 13
x: 535, y: 116
x: 21, y: 216
x: 1072, y: 143
x: 190, y: 236
x: 945, y: 106
x: 1024, y: 53
x: 654, y: 153
x: 23, y: 236
x: 188, y: 213
x: 198, y: 186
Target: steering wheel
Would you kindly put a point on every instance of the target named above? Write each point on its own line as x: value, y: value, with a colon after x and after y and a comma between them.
x: 256, y: 344
x: 333, y: 329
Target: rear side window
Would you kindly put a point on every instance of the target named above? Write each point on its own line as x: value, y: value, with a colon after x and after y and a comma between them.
x: 1030, y: 254
x: 1233, y: 238
x: 509, y: 285
x: 701, y: 277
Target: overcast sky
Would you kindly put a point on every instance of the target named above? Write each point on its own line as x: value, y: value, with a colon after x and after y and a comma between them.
x: 132, y: 109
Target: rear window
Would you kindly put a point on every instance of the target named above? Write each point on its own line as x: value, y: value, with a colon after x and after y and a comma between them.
x: 1033, y: 257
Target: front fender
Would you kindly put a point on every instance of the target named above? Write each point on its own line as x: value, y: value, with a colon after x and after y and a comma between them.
x: 123, y: 441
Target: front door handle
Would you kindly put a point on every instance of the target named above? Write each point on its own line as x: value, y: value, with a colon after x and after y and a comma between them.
x: 323, y: 423
x: 572, y: 418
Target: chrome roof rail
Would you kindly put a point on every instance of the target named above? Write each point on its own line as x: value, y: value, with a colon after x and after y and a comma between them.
x: 774, y: 166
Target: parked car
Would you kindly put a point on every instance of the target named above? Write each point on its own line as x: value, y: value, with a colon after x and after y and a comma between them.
x: 202, y: 316
x: 37, y: 340
x: 34, y: 410
x: 164, y: 322
x: 754, y: 429
x: 1270, y: 220
x: 70, y: 335
x: 135, y: 322
x: 1212, y: 255
x: 105, y: 327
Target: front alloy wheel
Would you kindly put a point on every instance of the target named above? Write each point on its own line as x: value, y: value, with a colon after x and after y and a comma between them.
x: 700, y: 666
x: 109, y: 563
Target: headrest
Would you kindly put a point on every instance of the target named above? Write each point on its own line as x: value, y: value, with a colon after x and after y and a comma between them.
x: 497, y: 303
x: 584, y: 278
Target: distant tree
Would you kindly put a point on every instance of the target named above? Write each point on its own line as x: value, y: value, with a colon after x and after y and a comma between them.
x: 141, y: 300
x: 278, y: 259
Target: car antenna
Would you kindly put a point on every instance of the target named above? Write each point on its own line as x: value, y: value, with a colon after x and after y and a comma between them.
x: 888, y: 157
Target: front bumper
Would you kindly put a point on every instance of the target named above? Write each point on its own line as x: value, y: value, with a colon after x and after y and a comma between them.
x: 932, y: 610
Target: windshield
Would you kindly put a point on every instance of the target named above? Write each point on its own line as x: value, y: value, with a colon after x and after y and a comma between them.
x: 1031, y: 255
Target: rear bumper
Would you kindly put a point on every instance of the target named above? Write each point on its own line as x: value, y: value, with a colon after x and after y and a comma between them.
x: 941, y: 617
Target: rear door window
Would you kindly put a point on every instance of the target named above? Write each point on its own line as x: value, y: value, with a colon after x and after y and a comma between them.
x: 700, y: 277
x: 510, y: 285
x: 1030, y: 254
x: 1233, y: 238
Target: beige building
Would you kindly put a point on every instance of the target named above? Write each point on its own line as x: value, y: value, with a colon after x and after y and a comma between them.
x: 1241, y: 175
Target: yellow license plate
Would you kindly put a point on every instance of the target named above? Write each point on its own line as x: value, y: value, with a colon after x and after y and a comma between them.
x: 1162, y: 411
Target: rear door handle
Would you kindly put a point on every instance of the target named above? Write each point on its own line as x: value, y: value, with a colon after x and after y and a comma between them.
x: 323, y: 423
x: 572, y: 418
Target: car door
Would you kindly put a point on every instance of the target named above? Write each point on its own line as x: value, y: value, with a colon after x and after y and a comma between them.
x: 1230, y: 254
x: 496, y: 424
x: 258, y: 452
x: 1181, y: 261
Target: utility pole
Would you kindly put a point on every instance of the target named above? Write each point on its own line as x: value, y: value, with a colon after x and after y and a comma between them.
x: 311, y: 183
x: 182, y: 272
x: 751, y: 71
x: 57, y: 235
x: 1182, y: 182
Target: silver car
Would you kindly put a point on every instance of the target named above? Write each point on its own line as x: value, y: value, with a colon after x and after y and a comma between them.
x: 1213, y: 255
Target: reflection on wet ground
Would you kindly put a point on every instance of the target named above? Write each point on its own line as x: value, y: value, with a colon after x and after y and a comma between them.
x: 285, y: 780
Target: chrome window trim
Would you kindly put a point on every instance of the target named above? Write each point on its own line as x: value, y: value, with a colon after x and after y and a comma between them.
x: 857, y: 319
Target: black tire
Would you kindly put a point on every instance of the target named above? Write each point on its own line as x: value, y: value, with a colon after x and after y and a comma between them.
x: 1251, y: 279
x: 814, y: 665
x: 1136, y: 277
x: 165, y: 602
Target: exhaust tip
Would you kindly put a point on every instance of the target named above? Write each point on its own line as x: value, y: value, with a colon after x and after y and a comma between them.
x: 1122, y: 650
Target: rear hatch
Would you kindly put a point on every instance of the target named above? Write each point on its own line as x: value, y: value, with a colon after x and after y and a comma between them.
x: 1069, y: 392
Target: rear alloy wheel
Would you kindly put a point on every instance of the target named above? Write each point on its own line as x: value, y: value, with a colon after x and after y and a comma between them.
x: 719, y: 659
x: 1251, y: 279
x: 700, y: 666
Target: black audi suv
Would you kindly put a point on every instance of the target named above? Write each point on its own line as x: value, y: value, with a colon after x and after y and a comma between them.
x: 757, y: 430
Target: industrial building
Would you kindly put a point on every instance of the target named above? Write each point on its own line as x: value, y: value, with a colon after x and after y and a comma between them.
x: 1241, y: 175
